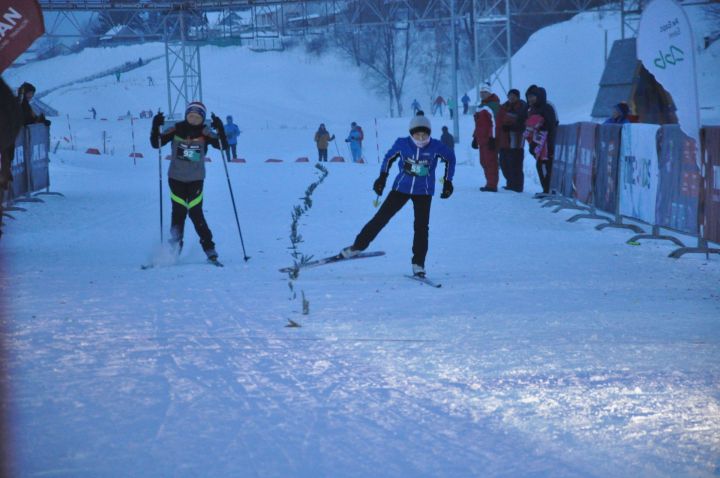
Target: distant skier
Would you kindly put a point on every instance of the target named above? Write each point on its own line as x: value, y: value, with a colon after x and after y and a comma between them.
x: 186, y: 173
x: 415, y: 106
x: 438, y: 105
x: 322, y: 140
x: 150, y: 81
x: 355, y: 138
x: 93, y: 112
x: 447, y: 139
x: 466, y: 103
x: 117, y: 76
x: 417, y: 156
x: 232, y: 132
x: 451, y: 106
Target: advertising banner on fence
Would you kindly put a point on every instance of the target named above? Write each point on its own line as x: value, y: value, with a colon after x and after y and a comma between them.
x: 584, y: 161
x: 19, y: 169
x: 564, y: 161
x: 679, y: 181
x: 21, y: 22
x: 639, y: 171
x: 666, y: 47
x: 711, y: 216
x: 606, y: 167
x: 39, y: 143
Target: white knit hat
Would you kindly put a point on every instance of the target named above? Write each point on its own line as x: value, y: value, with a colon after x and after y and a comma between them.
x: 419, y: 123
x: 485, y: 87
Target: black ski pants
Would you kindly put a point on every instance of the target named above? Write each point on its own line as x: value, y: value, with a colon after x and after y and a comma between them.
x: 187, y: 199
x: 544, y: 169
x: 392, y: 204
x: 322, y: 154
x: 511, y: 165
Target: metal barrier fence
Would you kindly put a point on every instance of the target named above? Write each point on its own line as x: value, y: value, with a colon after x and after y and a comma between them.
x: 30, y: 168
x: 647, y: 173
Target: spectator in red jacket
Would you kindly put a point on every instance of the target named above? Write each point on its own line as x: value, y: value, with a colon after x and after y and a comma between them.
x: 486, y: 130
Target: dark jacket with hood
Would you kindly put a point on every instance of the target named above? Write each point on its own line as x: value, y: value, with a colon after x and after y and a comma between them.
x: 544, y: 109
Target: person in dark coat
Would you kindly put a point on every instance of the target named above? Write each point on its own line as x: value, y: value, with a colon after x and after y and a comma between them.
x: 620, y: 114
x: 511, y: 117
x: 447, y: 139
x: 26, y: 92
x: 10, y: 123
x: 542, y: 120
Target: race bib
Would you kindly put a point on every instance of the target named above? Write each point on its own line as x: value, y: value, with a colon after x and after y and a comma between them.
x: 417, y: 169
x: 190, y: 151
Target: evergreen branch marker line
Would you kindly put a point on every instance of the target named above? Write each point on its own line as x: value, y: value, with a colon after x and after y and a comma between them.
x: 299, y: 259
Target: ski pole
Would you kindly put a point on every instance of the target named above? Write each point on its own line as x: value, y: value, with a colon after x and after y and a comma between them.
x: 336, y: 147
x: 377, y: 141
x: 160, y: 177
x: 132, y: 131
x: 232, y: 196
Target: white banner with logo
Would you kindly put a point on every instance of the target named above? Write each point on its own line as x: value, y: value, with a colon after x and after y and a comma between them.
x: 666, y: 47
x: 639, y: 175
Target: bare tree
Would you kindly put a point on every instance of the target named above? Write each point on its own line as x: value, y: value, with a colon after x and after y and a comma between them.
x: 384, y: 51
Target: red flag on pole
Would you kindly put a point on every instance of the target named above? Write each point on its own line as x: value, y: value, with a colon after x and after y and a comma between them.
x: 21, y: 22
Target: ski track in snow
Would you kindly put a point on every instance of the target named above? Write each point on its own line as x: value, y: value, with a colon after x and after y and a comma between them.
x: 551, y: 350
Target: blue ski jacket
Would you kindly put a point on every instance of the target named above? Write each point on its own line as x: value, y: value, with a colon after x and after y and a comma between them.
x: 231, y: 131
x: 417, y: 165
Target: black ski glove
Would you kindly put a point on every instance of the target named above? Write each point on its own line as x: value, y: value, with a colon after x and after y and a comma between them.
x: 447, y: 189
x: 218, y: 126
x: 379, y: 184
x: 474, y: 144
x: 158, y: 120
x: 491, y: 144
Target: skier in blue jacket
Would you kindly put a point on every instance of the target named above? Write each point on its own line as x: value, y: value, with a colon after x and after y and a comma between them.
x: 232, y: 132
x: 417, y: 157
x: 355, y: 139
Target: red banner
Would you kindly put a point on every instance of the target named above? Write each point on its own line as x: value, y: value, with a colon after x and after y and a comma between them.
x: 711, y: 214
x: 21, y: 22
x: 584, y: 160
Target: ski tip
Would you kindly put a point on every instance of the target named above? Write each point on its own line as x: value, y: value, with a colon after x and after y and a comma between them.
x: 292, y: 324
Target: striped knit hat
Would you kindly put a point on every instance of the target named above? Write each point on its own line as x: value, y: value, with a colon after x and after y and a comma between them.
x: 196, y: 107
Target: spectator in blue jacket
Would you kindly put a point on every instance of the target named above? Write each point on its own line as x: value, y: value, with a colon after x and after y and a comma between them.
x: 355, y: 139
x: 232, y: 132
x: 620, y: 114
x: 417, y: 157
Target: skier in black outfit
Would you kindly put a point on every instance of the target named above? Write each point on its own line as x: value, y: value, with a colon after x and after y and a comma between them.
x: 186, y: 173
